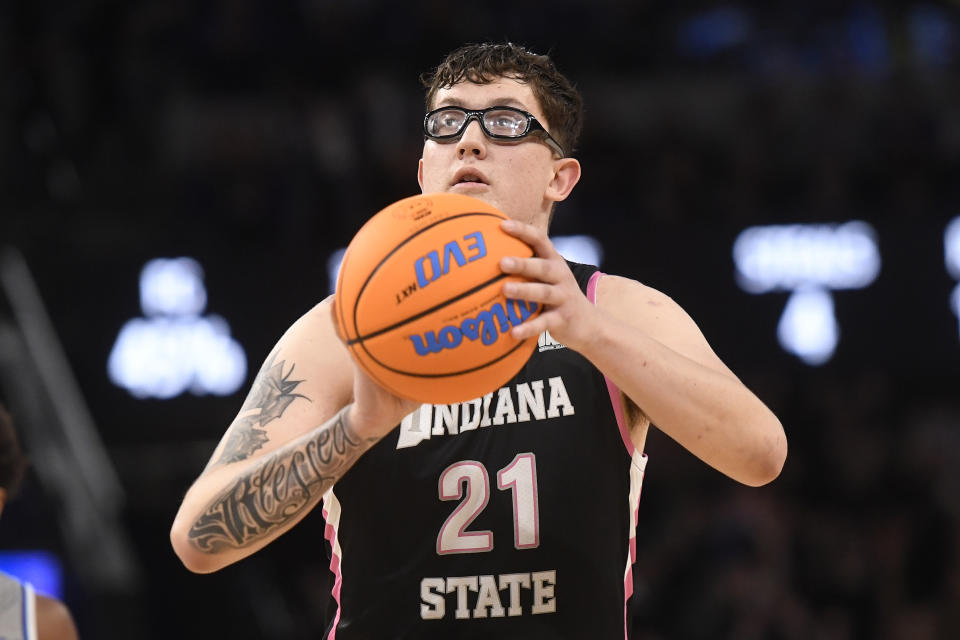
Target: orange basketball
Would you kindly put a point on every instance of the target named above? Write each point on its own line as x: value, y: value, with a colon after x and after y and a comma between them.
x: 419, y: 299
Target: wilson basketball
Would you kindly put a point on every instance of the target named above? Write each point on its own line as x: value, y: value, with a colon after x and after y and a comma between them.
x: 419, y: 299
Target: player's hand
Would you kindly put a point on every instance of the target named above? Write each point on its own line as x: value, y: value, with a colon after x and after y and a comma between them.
x: 566, y: 313
x: 376, y: 411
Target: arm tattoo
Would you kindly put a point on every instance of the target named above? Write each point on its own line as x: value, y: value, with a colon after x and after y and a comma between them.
x: 271, y: 393
x: 281, y: 487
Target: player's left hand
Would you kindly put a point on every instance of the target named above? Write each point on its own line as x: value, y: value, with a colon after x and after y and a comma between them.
x: 566, y: 313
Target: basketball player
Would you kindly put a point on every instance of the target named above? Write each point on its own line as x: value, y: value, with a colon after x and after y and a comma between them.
x: 24, y: 614
x: 511, y: 516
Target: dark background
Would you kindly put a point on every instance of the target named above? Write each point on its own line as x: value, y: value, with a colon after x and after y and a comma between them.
x: 257, y: 137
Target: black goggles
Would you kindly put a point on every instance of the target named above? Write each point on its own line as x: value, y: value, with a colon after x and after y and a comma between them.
x: 499, y: 123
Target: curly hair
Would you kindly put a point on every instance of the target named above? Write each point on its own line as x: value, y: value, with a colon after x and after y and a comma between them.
x: 560, y: 101
x: 12, y: 461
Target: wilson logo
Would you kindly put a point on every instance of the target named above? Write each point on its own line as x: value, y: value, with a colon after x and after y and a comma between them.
x: 487, y: 326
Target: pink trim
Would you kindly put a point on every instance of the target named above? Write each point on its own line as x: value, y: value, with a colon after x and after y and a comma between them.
x: 616, y: 402
x: 628, y: 579
x: 331, y: 535
x: 633, y: 534
x: 612, y: 389
x: 592, y: 286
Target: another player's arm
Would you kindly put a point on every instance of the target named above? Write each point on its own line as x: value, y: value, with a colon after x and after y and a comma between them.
x: 295, y: 436
x: 652, y: 350
x: 54, y: 621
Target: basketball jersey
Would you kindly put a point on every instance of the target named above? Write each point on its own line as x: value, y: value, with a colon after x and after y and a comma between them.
x: 18, y: 620
x: 508, y: 516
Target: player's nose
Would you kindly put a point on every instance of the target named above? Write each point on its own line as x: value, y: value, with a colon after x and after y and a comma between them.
x: 473, y: 142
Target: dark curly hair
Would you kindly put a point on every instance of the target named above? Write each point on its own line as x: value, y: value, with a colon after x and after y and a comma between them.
x: 12, y: 461
x: 560, y: 101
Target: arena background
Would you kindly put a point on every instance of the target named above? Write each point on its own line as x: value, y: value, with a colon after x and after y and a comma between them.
x: 256, y: 137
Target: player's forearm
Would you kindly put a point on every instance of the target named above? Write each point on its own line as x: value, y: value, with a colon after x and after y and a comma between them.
x: 709, y: 412
x: 232, y: 511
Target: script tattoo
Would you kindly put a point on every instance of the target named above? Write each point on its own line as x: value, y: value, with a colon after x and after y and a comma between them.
x: 280, y: 488
x: 271, y: 393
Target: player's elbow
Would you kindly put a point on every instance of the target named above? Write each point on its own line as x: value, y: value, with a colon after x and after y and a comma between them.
x: 770, y: 456
x: 193, y: 558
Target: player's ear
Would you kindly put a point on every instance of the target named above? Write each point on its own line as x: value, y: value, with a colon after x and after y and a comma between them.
x: 566, y: 174
x: 420, y: 174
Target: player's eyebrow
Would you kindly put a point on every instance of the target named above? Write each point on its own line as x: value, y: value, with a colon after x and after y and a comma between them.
x: 500, y: 102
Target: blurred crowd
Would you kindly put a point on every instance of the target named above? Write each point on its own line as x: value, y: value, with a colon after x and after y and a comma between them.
x: 859, y: 538
x: 297, y: 121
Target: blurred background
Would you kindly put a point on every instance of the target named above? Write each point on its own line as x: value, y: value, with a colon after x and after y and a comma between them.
x: 786, y: 171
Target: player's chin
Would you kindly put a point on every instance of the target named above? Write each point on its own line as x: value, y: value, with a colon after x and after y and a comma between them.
x: 475, y: 189
x: 480, y: 191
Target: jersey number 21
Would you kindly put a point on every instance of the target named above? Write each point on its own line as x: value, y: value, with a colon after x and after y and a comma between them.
x: 469, y: 482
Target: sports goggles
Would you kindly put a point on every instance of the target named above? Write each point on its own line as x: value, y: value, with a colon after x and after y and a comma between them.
x: 499, y: 123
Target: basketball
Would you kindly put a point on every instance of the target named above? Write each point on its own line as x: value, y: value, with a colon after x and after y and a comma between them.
x: 419, y: 299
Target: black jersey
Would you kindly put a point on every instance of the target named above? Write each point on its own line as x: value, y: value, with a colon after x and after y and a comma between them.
x: 509, y: 516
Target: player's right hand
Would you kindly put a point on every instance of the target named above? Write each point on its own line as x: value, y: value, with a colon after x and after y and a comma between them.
x: 376, y: 411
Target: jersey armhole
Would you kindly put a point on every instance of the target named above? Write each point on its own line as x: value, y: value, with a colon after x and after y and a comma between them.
x: 616, y: 398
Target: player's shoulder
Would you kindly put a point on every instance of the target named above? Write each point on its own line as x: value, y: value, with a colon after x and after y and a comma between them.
x: 316, y: 322
x: 654, y: 313
x: 321, y: 359
x: 313, y: 337
x: 320, y: 312
x: 615, y: 291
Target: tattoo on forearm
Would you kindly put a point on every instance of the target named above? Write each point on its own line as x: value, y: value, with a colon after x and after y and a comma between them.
x: 271, y: 394
x: 280, y: 488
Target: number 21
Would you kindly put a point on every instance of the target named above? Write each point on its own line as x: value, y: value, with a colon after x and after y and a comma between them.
x: 520, y: 477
